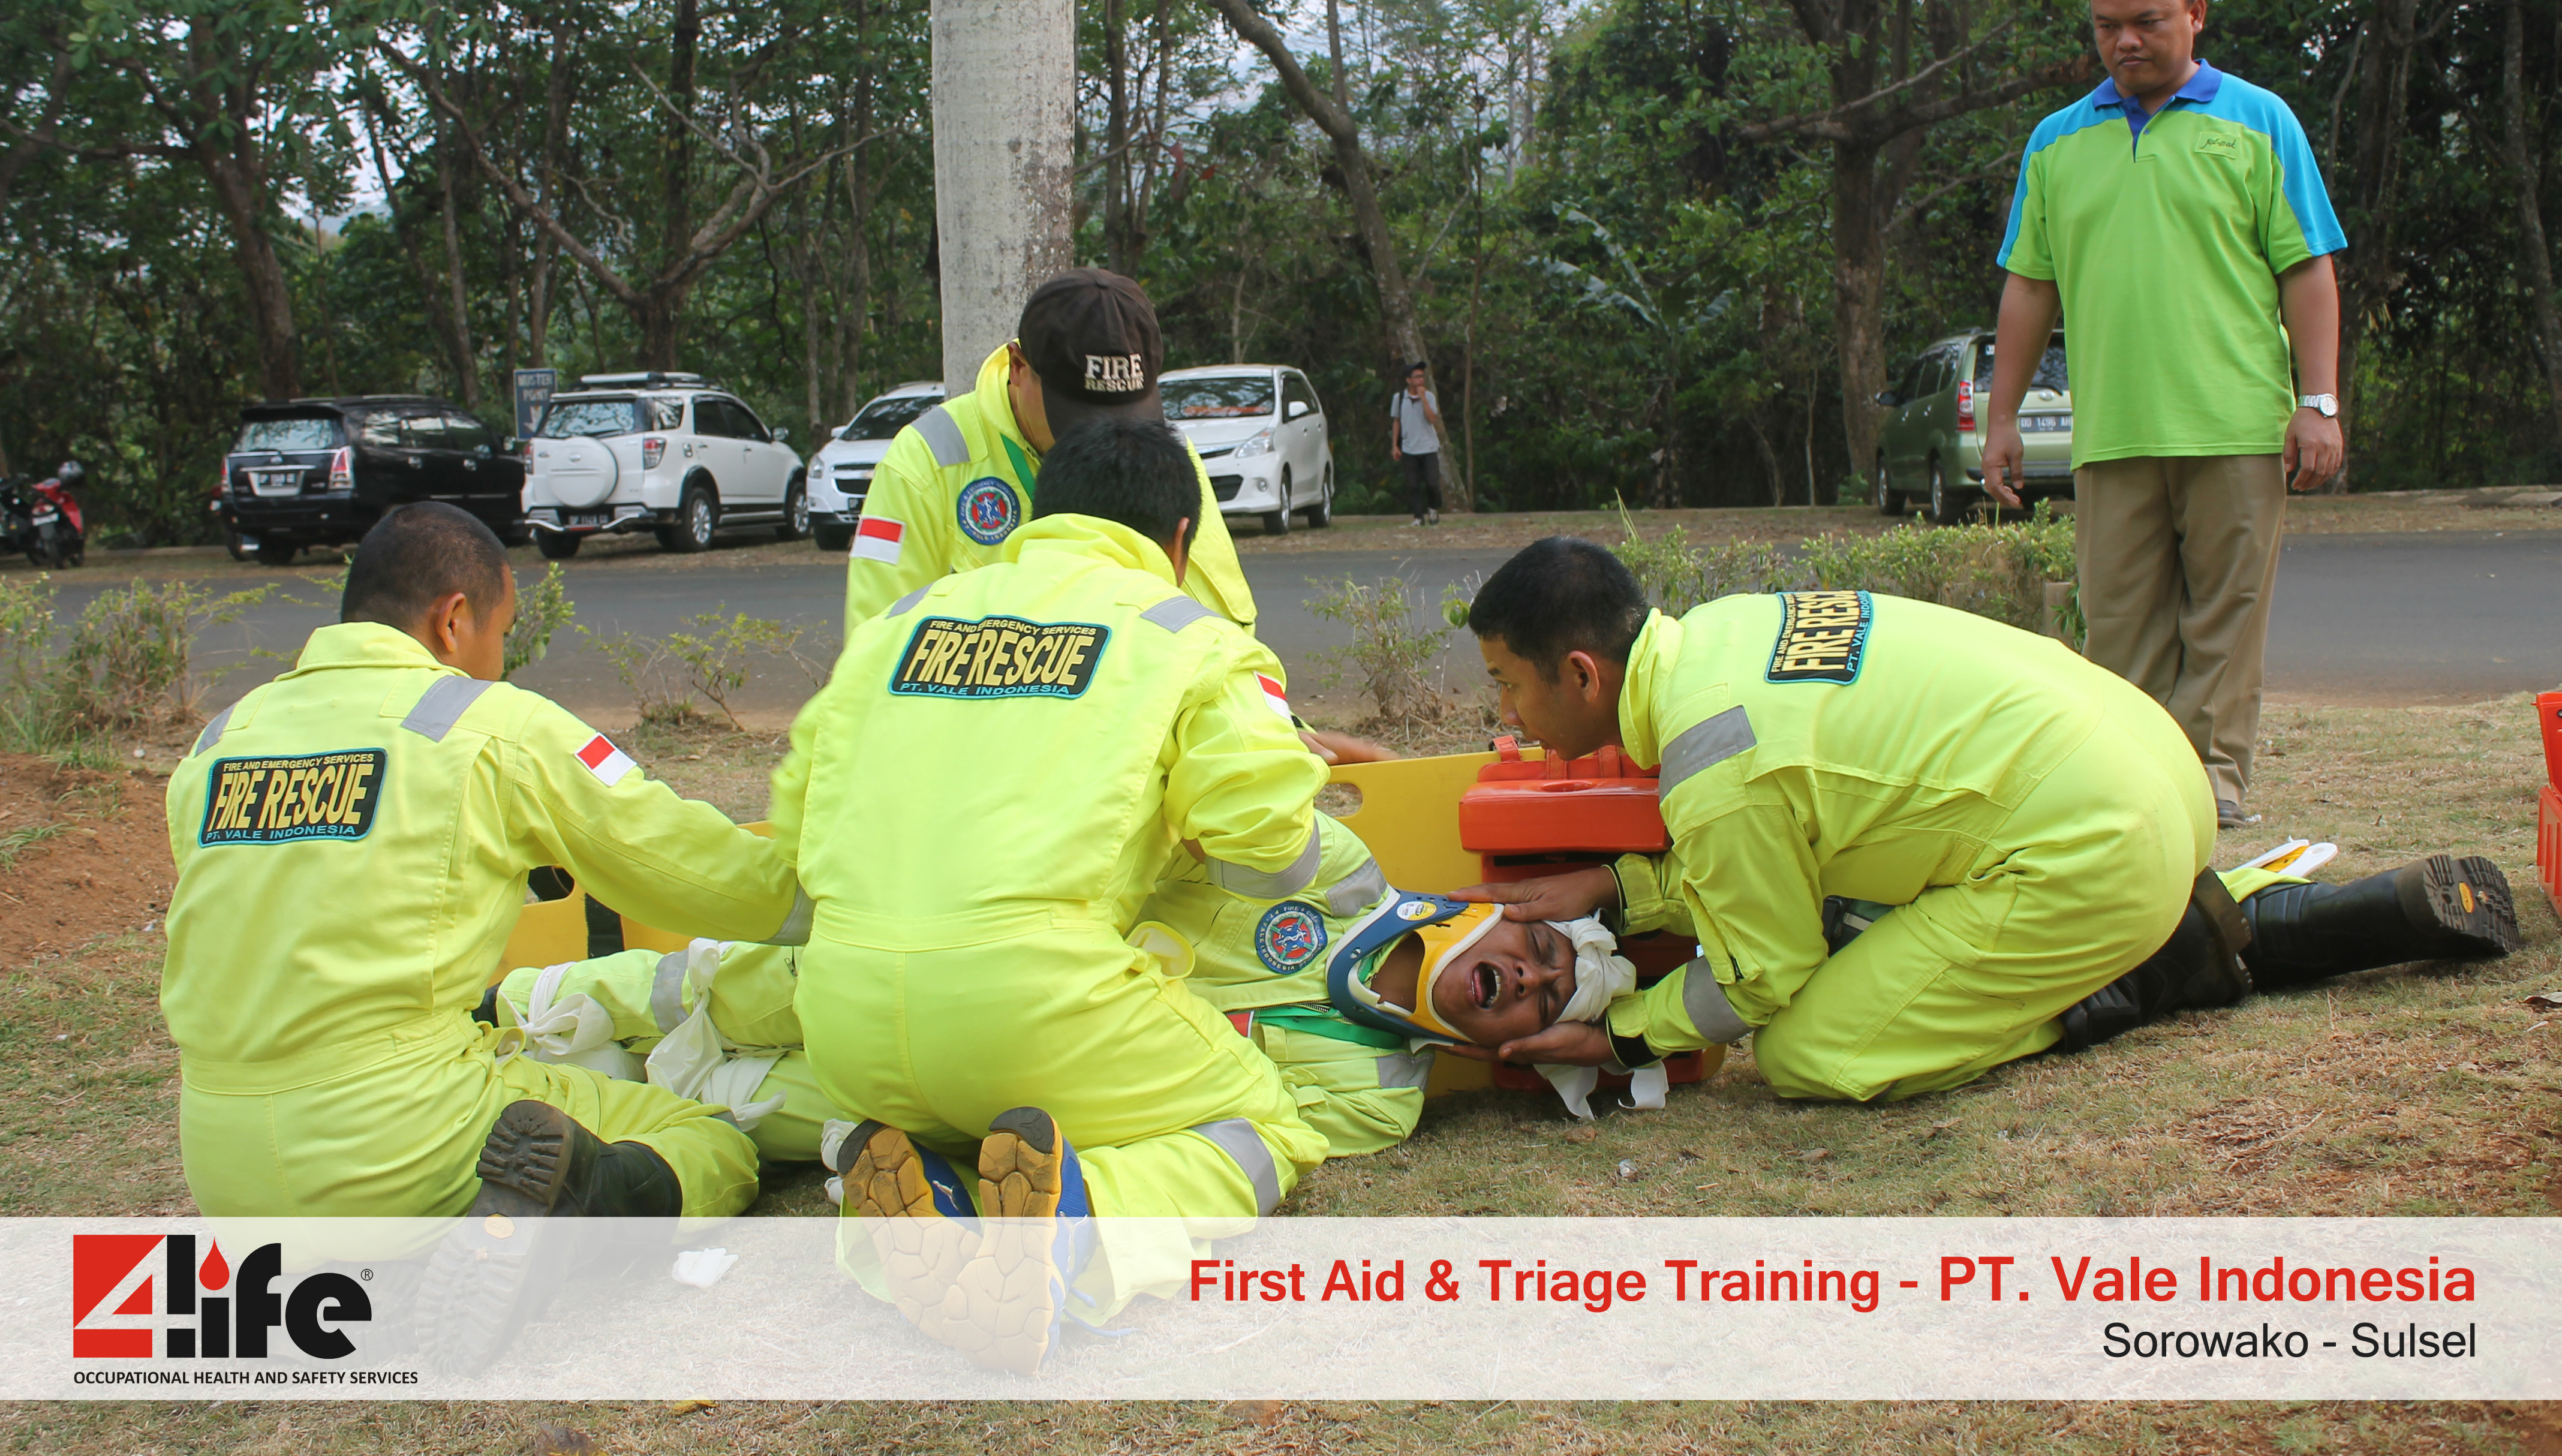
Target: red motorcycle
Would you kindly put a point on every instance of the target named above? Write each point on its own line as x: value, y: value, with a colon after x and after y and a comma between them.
x: 43, y: 519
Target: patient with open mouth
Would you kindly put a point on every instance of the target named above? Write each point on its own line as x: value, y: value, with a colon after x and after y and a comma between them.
x: 1505, y: 980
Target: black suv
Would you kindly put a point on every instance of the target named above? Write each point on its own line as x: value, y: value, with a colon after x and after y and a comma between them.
x: 320, y: 472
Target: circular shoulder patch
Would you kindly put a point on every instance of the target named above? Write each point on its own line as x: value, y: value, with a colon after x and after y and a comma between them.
x: 989, y: 510
x: 1289, y: 937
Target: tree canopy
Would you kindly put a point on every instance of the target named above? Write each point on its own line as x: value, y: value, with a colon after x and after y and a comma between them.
x: 1659, y: 250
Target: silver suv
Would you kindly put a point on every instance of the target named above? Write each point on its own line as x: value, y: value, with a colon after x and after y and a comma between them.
x: 667, y: 453
x: 1932, y: 442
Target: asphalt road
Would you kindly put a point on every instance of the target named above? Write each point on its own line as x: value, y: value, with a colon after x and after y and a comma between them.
x: 2447, y: 616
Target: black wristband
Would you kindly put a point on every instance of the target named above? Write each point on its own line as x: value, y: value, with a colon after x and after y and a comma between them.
x: 1633, y: 1053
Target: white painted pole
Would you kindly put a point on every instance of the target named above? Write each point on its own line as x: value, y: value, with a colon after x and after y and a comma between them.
x: 1004, y: 100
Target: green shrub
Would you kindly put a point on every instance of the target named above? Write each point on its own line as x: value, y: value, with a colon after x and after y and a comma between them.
x: 1998, y: 571
x: 1389, y: 650
x: 130, y: 656
x: 540, y: 613
x: 712, y: 660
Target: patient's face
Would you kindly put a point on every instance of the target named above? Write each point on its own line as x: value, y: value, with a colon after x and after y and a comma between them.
x: 1512, y: 982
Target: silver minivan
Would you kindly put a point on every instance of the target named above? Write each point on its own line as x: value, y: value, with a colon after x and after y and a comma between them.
x: 1933, y: 444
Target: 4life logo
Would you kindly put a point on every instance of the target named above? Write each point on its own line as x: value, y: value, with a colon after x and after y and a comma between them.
x: 136, y: 1295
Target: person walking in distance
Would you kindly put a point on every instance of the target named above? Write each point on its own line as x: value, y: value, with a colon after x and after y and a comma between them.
x: 2176, y: 217
x: 1414, y: 442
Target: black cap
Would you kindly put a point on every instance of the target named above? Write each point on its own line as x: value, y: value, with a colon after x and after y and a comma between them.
x: 1091, y: 336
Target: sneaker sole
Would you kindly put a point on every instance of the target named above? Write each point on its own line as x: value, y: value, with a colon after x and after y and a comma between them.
x: 2467, y: 901
x: 1003, y: 1310
x: 922, y: 1253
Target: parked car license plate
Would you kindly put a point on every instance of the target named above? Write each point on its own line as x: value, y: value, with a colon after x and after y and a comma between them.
x: 2032, y: 424
x: 587, y: 519
x: 276, y: 482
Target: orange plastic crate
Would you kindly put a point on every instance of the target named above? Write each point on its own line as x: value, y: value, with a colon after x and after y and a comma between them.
x: 1524, y: 818
x: 2548, y: 843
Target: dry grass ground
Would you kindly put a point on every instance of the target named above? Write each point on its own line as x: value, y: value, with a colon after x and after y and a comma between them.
x: 1295, y: 1428
x: 2419, y: 1090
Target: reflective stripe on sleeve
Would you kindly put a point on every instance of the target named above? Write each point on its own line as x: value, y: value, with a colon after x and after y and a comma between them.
x: 213, y: 732
x: 1704, y: 1000
x: 1357, y: 892
x: 1254, y: 885
x: 1706, y: 745
x: 899, y: 607
x: 442, y: 705
x: 1237, y: 1138
x: 943, y: 436
x: 796, y: 926
x: 1175, y: 613
x: 1406, y: 1069
x: 667, y: 991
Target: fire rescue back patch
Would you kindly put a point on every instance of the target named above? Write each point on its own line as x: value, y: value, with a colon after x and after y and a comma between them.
x: 999, y: 657
x: 279, y: 800
x: 1822, y: 637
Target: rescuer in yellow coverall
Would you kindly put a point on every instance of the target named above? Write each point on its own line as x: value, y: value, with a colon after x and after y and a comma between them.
x: 978, y: 801
x: 955, y: 483
x: 352, y: 841
x: 2041, y: 828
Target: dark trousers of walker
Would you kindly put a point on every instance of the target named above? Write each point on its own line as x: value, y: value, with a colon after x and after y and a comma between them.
x: 1422, y: 482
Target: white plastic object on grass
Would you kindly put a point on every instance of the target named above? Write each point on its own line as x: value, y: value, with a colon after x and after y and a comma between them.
x: 2295, y: 856
x: 703, y: 1268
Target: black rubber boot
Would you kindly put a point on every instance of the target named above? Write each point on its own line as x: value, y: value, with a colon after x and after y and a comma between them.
x: 498, y: 1268
x: 2201, y: 966
x: 2437, y: 908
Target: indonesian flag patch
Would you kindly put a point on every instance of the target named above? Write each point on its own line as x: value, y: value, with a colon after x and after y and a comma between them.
x: 878, y: 538
x: 1273, y: 694
x: 605, y: 761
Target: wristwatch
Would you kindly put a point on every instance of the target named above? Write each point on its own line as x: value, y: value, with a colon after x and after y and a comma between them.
x: 2327, y: 405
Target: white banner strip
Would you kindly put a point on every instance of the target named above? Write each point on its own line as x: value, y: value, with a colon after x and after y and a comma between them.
x: 1303, y: 1308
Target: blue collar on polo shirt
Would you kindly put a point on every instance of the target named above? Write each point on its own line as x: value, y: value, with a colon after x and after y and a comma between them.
x: 2200, y: 88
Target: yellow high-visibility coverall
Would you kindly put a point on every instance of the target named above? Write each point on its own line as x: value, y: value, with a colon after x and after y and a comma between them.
x: 978, y: 802
x: 2038, y: 821
x: 1362, y: 1088
x: 957, y: 482
x: 352, y: 841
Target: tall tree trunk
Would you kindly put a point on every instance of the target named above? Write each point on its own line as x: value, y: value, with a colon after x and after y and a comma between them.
x: 1005, y: 115
x: 1117, y: 253
x: 1401, y: 330
x: 466, y: 360
x: 2368, y: 277
x: 240, y: 191
x: 660, y: 313
x: 1859, y: 291
x: 2524, y: 159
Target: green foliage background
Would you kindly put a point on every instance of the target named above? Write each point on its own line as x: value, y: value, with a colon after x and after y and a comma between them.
x: 1623, y: 300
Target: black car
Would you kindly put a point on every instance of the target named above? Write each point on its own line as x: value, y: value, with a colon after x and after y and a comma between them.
x: 320, y: 472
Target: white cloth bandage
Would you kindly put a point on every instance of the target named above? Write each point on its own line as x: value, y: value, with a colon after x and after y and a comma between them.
x: 574, y: 1030
x: 1601, y: 975
x: 694, y: 1061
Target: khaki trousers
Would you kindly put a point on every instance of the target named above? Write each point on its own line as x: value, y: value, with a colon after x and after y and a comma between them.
x: 2178, y: 561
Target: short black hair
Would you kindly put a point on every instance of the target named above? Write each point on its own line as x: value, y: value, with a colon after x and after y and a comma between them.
x: 417, y: 553
x: 1135, y: 472
x: 1412, y: 368
x: 1558, y: 596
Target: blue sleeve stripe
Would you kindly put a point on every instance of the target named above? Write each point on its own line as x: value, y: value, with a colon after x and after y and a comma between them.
x: 2078, y: 116
x: 2264, y: 112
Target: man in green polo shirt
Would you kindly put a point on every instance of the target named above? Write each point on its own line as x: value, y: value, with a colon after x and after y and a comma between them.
x: 2177, y: 218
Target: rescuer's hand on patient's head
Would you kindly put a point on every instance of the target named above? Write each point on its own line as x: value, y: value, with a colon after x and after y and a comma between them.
x: 438, y: 574
x: 1566, y: 1045
x: 1569, y: 896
